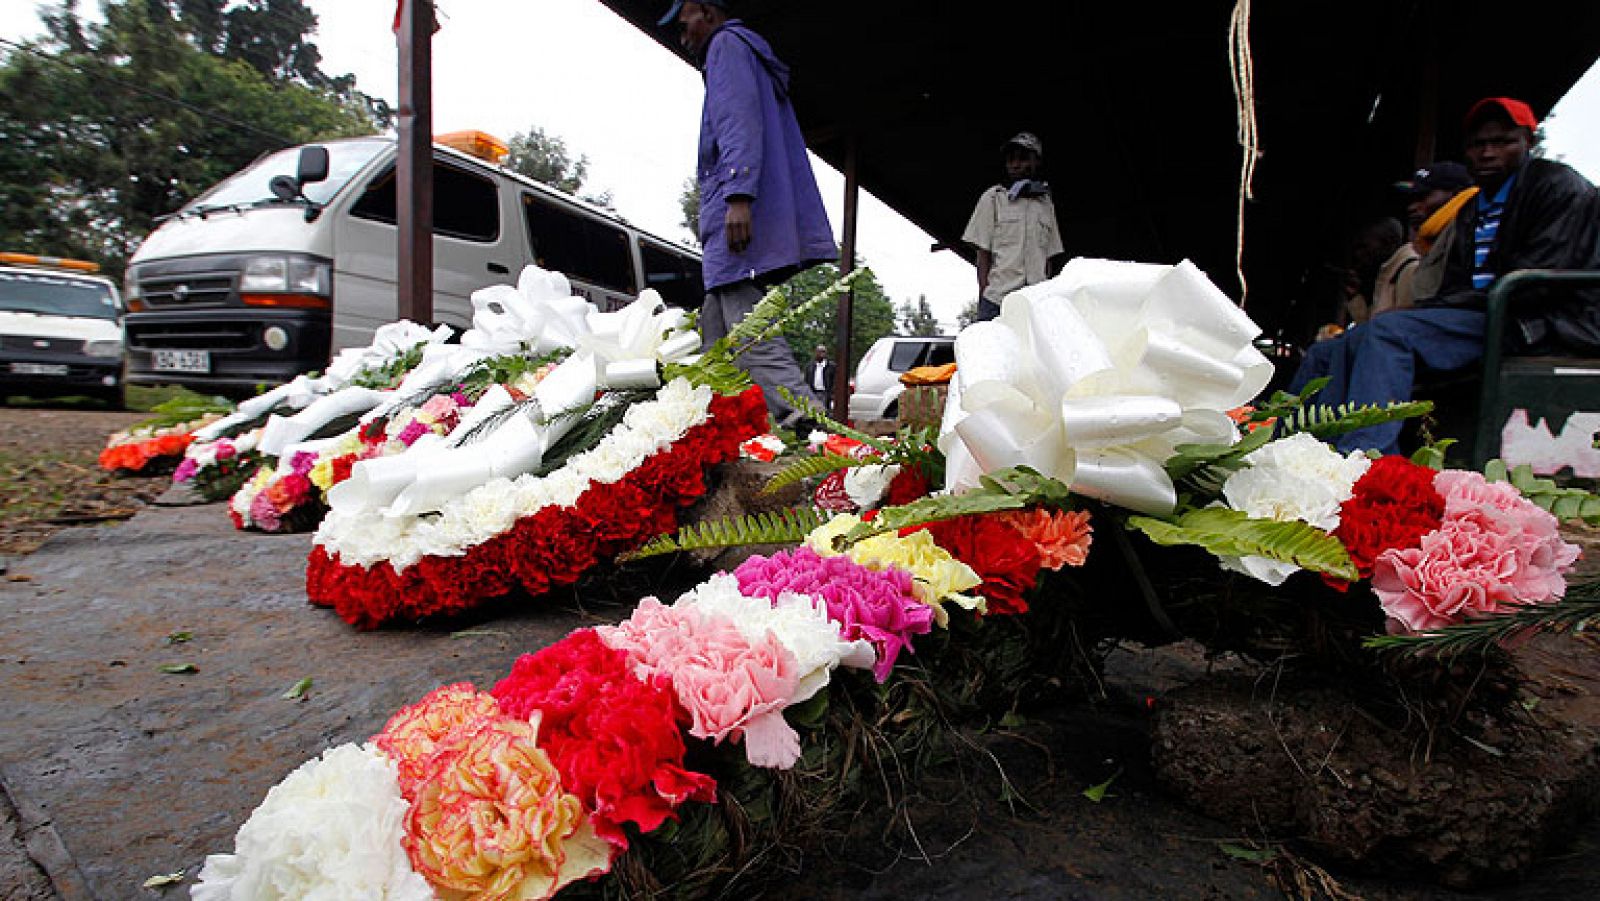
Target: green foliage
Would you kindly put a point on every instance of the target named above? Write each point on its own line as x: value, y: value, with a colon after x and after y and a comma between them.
x: 917, y: 318
x: 546, y: 159
x: 689, y: 203
x: 103, y: 129
x: 782, y: 527
x: 872, y: 315
x: 184, y: 408
x: 1231, y: 533
x: 1007, y: 489
x: 1432, y: 454
x: 811, y: 410
x: 1580, y: 609
x: 505, y: 369
x: 595, y: 422
x: 222, y: 479
x: 1201, y: 469
x: 811, y: 467
x: 1294, y: 413
x: 1563, y: 503
x: 387, y: 374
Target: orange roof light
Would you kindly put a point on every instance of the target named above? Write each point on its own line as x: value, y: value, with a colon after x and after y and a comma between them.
x: 480, y: 144
x: 29, y: 259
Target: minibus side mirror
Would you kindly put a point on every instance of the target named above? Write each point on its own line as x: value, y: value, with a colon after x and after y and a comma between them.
x: 313, y: 165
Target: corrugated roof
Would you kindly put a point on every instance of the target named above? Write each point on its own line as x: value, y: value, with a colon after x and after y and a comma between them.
x: 1135, y: 105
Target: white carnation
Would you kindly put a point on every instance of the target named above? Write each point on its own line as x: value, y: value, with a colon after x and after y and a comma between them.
x: 866, y: 485
x: 330, y: 831
x: 1294, y: 478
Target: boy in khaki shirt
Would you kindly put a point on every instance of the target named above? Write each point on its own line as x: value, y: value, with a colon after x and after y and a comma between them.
x: 1013, y: 227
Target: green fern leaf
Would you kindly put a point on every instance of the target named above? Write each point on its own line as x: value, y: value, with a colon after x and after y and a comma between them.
x: 810, y: 409
x: 1006, y: 489
x: 1205, y: 461
x: 810, y: 467
x: 1331, y: 422
x: 1230, y: 533
x: 781, y: 527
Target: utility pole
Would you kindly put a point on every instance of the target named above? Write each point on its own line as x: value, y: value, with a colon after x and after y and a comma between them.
x: 414, y: 173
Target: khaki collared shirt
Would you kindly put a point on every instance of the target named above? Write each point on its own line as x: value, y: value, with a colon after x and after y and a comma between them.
x: 1021, y: 234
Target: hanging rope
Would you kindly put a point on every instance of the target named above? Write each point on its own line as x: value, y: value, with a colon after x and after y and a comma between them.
x: 1242, y: 63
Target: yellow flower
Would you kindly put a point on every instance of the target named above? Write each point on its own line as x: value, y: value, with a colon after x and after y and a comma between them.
x: 936, y: 575
x: 321, y: 474
x: 416, y: 730
x: 491, y: 820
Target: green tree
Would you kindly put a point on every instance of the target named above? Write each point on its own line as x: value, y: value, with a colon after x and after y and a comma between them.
x: 689, y: 202
x: 967, y: 316
x: 872, y: 316
x: 103, y: 128
x: 545, y: 158
x: 917, y: 318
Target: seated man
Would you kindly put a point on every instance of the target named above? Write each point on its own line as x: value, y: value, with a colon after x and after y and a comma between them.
x: 1529, y: 213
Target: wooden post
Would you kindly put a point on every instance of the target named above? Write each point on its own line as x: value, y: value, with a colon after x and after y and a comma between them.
x: 847, y: 264
x: 414, y: 172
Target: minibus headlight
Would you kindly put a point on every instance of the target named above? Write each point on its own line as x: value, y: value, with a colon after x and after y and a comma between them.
x: 284, y: 275
x: 111, y: 347
x: 265, y: 274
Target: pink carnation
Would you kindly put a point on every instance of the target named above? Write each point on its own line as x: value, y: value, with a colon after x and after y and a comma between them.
x: 1480, y: 562
x: 876, y: 605
x: 731, y: 687
x: 301, y: 462
x: 185, y: 470
x: 438, y: 407
x: 413, y: 430
x: 263, y: 515
x: 226, y: 450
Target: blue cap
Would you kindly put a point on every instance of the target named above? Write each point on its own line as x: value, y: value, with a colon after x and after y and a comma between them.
x: 672, y: 14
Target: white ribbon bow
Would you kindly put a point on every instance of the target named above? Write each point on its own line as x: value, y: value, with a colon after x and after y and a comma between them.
x: 1095, y: 376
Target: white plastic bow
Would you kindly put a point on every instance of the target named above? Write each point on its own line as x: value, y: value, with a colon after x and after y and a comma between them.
x: 1096, y: 375
x: 629, y: 343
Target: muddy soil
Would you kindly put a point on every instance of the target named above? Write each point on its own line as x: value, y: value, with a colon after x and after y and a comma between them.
x: 49, y: 479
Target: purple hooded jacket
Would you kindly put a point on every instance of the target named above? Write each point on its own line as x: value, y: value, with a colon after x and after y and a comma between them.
x: 750, y: 145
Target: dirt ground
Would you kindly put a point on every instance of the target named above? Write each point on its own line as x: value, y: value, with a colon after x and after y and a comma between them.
x: 114, y: 771
x: 49, y: 477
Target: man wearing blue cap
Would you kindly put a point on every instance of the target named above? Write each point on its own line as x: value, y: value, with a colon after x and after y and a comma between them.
x: 761, y: 216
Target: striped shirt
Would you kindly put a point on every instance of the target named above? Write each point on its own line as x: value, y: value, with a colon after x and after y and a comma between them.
x: 1486, y: 226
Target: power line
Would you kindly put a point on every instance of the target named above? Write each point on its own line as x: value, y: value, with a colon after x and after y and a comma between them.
x: 197, y: 110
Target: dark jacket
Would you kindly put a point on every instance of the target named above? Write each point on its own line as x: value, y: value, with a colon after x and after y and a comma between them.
x: 750, y: 146
x: 1551, y: 221
x: 827, y: 373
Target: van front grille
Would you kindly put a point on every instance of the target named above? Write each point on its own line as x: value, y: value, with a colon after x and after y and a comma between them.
x: 147, y: 336
x: 210, y: 289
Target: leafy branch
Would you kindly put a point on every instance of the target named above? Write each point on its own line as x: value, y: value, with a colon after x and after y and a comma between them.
x: 1006, y: 489
x: 1563, y: 503
x: 811, y: 467
x: 1232, y: 533
x: 781, y: 527
x: 813, y: 411
x: 1326, y: 422
x: 1580, y: 609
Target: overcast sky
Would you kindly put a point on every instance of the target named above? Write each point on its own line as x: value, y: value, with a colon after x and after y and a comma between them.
x: 578, y: 71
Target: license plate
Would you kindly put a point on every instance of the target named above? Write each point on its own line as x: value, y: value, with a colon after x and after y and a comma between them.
x: 182, y: 360
x: 38, y: 369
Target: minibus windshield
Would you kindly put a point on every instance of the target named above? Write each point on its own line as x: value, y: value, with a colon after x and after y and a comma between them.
x: 51, y: 295
x: 252, y: 185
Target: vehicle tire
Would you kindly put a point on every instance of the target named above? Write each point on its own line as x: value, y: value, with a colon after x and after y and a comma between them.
x: 892, y: 412
x: 114, y: 398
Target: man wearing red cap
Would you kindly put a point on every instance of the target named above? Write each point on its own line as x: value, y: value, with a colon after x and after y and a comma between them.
x: 1529, y: 213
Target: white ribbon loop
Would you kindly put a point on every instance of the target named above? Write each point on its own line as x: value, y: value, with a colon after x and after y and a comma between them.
x: 284, y: 431
x: 1096, y: 375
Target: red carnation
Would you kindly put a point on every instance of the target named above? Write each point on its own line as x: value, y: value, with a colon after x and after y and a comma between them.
x: 1392, y: 505
x: 908, y: 485
x: 1007, y: 561
x: 614, y: 739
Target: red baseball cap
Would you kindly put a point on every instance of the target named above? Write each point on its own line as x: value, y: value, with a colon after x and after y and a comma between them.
x: 1518, y: 112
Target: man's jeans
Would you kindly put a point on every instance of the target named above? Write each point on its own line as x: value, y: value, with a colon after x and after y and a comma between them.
x: 769, y: 363
x: 1382, y: 358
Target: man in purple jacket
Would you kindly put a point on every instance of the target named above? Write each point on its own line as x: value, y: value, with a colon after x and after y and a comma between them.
x: 761, y: 216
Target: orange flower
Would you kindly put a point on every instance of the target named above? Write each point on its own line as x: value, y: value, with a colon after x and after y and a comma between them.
x: 1062, y: 536
x: 411, y: 735
x: 491, y: 820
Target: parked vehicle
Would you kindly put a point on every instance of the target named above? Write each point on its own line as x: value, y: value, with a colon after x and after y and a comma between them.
x: 294, y: 258
x: 59, y: 333
x: 876, y: 390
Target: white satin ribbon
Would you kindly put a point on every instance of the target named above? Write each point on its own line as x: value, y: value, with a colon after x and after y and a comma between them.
x: 283, y: 431
x: 1095, y: 376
